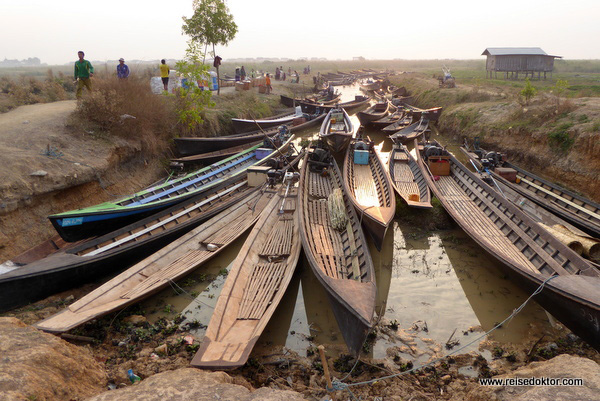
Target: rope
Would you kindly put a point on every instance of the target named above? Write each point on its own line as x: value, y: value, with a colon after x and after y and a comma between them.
x: 339, y: 385
x: 180, y: 291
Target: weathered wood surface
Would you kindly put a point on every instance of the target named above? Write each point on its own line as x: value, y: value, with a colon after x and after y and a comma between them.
x: 159, y: 269
x: 408, y: 178
x: 370, y: 189
x: 337, y: 135
x: 334, y: 255
x: 576, y: 209
x: 254, y: 287
x: 528, y: 251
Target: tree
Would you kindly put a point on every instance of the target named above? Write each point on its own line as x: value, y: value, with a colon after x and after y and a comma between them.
x: 528, y: 91
x: 190, y: 99
x: 212, y: 24
x: 559, y: 88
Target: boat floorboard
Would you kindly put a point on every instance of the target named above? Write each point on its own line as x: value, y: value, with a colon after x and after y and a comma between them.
x: 365, y: 189
x: 480, y: 223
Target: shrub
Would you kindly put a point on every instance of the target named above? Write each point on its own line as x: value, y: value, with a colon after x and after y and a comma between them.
x: 560, y: 139
x: 130, y: 110
x: 528, y: 91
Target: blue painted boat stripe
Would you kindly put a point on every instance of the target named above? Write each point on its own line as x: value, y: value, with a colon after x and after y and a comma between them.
x: 191, y: 182
x: 100, y: 217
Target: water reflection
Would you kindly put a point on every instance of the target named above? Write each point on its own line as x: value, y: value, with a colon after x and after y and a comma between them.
x: 491, y: 295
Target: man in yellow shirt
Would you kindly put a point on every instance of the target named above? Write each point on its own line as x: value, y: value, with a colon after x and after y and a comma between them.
x: 164, y: 74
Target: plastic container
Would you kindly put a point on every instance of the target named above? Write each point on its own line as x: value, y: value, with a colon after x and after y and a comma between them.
x: 261, y: 153
x: 361, y: 157
x: 213, y: 82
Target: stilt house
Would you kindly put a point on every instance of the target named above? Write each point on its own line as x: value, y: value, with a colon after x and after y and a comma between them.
x: 512, y: 61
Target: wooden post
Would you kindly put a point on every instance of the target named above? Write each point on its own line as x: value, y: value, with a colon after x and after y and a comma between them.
x: 321, y: 349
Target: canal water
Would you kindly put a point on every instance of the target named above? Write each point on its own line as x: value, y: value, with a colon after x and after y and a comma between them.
x: 435, y: 286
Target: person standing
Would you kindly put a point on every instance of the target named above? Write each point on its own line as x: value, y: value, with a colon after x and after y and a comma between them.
x: 243, y: 73
x: 83, y: 72
x: 122, y: 69
x: 164, y: 74
x: 268, y: 84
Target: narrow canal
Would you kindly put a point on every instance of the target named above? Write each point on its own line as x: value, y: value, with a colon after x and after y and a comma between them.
x: 435, y: 285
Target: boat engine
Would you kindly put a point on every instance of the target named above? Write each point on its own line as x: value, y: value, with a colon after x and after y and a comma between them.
x: 432, y: 150
x: 493, y: 158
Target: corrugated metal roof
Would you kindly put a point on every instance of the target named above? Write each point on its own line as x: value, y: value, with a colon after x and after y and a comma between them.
x: 505, y: 51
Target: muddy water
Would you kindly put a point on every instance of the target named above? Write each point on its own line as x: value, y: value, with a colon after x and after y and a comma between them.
x: 435, y: 285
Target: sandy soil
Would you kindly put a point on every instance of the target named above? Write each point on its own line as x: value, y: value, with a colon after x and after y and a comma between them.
x: 47, y: 166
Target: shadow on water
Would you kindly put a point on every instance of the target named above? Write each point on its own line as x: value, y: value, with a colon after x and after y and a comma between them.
x: 430, y: 284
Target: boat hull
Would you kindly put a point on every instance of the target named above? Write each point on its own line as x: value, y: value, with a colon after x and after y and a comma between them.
x: 526, y: 250
x: 80, y: 264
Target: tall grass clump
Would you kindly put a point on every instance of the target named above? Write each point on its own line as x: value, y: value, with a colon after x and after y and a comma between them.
x: 128, y: 109
x: 30, y: 90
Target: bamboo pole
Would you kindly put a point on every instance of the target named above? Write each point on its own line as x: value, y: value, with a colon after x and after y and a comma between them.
x: 321, y: 349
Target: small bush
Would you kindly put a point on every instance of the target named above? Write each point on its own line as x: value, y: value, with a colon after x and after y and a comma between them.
x: 130, y: 110
x: 560, y: 139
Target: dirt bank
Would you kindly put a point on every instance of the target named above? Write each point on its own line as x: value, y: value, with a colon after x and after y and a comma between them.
x: 48, y: 166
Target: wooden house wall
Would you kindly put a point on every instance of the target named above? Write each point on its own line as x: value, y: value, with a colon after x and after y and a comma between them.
x: 520, y: 63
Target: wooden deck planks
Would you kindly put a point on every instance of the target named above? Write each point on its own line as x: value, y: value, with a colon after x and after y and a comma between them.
x: 480, y: 222
x: 365, y: 189
x: 190, y: 259
x: 260, y: 289
x: 279, y: 242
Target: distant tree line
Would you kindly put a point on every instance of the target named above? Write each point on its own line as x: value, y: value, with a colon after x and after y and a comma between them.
x: 31, y: 61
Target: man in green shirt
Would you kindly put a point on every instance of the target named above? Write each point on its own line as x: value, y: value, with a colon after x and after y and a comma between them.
x: 83, y: 72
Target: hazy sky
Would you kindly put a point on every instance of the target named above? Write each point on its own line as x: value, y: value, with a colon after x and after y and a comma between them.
x: 140, y: 29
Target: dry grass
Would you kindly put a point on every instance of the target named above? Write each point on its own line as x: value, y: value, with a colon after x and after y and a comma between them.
x: 29, y: 90
x: 130, y: 110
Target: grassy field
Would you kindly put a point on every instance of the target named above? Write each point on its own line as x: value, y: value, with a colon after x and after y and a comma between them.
x: 583, y: 76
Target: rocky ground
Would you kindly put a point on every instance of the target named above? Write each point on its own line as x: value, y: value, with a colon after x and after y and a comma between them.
x: 48, y: 166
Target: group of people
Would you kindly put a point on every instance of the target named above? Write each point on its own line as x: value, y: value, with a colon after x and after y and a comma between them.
x: 280, y: 74
x: 84, y: 71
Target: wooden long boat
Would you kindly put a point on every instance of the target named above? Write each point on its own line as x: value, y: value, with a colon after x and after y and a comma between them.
x: 340, y: 256
x: 391, y: 118
x: 191, y: 146
x: 370, y: 86
x: 341, y: 82
x: 241, y: 125
x: 397, y: 91
x: 403, y: 100
x: 410, y: 133
x: 328, y: 100
x: 213, y: 157
x: 576, y: 239
x: 169, y: 264
x: 359, y: 101
x: 406, y: 120
x: 37, y: 252
x: 408, y: 177
x: 323, y: 99
x: 432, y: 114
x: 337, y: 130
x: 99, y: 219
x: 255, y: 285
x: 369, y: 188
x: 375, y: 112
x: 530, y: 254
x: 581, y: 212
x: 98, y: 257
